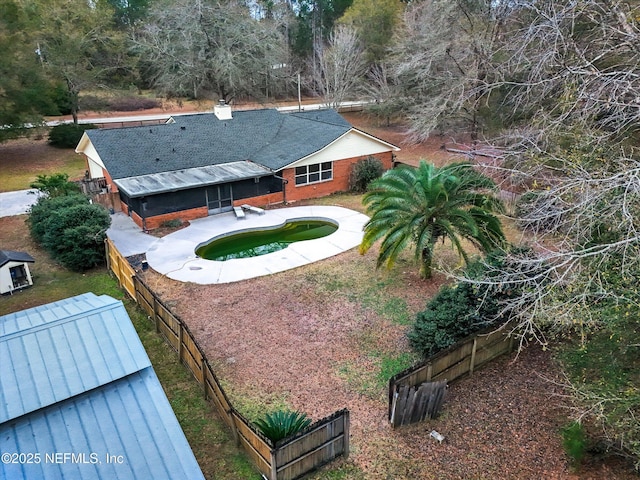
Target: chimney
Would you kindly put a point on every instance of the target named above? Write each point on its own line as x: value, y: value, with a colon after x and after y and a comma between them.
x: 222, y: 111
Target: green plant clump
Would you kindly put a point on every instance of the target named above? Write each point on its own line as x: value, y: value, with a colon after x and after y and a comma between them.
x: 364, y: 172
x: 282, y: 424
x: 71, y: 230
x: 461, y: 310
x: 173, y: 223
x: 574, y: 442
x: 68, y: 135
x: 55, y: 185
x: 450, y: 316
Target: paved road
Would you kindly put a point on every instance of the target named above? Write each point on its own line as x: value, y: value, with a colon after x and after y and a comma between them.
x: 165, y: 116
x: 17, y: 203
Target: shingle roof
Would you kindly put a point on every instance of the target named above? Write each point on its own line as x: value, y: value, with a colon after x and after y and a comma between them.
x: 7, y: 256
x: 74, y: 377
x: 266, y: 137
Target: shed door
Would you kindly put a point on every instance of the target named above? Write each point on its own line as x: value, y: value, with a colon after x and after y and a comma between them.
x: 19, y: 276
x: 219, y: 198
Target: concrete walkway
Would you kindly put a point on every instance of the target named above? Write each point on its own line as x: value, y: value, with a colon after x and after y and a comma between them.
x: 128, y: 237
x: 174, y: 255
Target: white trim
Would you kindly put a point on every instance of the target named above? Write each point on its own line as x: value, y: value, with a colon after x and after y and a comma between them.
x: 354, y: 133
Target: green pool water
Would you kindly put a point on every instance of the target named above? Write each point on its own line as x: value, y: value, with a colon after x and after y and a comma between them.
x: 253, y: 243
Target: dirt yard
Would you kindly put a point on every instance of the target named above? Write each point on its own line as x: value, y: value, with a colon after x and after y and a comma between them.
x: 313, y: 339
x: 324, y: 337
x: 317, y: 339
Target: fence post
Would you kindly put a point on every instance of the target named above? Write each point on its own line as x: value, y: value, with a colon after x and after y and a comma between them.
x: 180, y: 342
x: 473, y: 355
x: 274, y: 466
x: 156, y: 319
x: 108, y: 251
x: 429, y: 372
x: 347, y: 423
x: 204, y: 376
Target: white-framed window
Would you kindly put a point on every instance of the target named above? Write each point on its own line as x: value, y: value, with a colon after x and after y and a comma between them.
x: 318, y: 172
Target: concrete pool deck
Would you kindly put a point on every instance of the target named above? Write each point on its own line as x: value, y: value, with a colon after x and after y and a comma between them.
x: 175, y: 257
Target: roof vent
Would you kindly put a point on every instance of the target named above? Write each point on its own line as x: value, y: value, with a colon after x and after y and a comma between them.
x: 183, y: 127
x: 222, y: 111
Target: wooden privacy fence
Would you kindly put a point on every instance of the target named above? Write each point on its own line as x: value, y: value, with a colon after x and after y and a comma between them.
x: 288, y: 459
x: 119, y: 265
x: 447, y: 366
x: 415, y: 404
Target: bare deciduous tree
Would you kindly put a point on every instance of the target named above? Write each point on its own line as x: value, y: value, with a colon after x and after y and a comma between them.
x: 575, y: 63
x: 194, y: 46
x: 341, y: 66
x: 444, y: 60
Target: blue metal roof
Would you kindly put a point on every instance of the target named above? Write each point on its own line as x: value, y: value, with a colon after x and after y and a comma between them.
x: 75, y: 379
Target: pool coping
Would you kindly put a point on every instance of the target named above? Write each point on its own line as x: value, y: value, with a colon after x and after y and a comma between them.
x: 174, y: 255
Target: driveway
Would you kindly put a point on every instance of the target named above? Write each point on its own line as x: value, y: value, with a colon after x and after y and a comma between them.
x: 18, y: 202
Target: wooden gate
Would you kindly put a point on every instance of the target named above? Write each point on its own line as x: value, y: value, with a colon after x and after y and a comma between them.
x: 417, y: 403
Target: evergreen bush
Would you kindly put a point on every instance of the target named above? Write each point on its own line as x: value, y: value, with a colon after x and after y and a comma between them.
x: 450, y: 316
x: 364, y: 172
x: 68, y: 135
x: 55, y: 185
x: 574, y: 443
x: 461, y: 310
x: 71, y: 230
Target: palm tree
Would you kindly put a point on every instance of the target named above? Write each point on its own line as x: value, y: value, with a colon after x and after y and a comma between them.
x: 425, y: 204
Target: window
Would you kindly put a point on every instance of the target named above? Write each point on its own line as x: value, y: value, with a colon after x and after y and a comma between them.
x: 319, y: 172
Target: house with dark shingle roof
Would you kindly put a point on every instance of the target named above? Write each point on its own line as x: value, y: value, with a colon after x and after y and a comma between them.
x: 14, y: 270
x: 203, y: 164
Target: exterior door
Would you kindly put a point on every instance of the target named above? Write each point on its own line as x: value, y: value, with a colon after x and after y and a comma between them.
x: 219, y: 198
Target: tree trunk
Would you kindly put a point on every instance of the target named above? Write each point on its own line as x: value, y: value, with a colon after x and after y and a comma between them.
x: 73, y: 101
x: 425, y: 262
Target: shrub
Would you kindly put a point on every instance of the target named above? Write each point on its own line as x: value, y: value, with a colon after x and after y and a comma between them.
x: 574, y: 443
x: 67, y: 135
x: 459, y: 311
x: 364, y: 172
x: 42, y: 210
x: 173, y: 223
x: 71, y: 229
x: 93, y: 103
x: 450, y: 316
x: 55, y: 185
x: 282, y: 424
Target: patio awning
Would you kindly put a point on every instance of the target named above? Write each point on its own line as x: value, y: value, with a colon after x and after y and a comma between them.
x: 190, y: 178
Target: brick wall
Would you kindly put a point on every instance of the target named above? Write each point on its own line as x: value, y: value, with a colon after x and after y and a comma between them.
x: 113, y: 188
x: 340, y: 182
x: 158, y: 220
x: 262, y: 200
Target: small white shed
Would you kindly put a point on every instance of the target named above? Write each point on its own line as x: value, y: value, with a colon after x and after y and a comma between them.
x: 14, y: 270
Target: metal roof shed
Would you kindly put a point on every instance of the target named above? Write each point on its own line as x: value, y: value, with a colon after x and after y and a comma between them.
x: 79, y: 397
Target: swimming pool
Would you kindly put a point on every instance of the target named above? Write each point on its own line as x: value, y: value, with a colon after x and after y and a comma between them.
x: 262, y: 241
x: 175, y: 255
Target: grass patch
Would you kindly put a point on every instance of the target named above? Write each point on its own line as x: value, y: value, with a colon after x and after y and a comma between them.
x: 346, y: 471
x: 253, y: 404
x: 370, y: 375
x: 24, y: 159
x: 371, y: 290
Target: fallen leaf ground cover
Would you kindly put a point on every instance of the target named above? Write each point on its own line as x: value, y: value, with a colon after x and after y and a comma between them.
x: 325, y: 337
